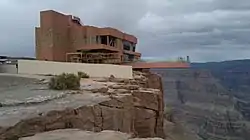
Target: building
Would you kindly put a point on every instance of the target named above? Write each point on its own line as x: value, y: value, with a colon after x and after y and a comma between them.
x: 65, y: 38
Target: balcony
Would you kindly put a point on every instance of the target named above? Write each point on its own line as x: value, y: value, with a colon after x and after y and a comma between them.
x: 98, y: 47
x: 132, y: 53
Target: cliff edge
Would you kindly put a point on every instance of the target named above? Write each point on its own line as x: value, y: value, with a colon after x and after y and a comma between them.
x: 131, y: 106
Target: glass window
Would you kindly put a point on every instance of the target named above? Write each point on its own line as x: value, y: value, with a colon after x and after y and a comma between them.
x: 126, y: 45
x: 133, y: 48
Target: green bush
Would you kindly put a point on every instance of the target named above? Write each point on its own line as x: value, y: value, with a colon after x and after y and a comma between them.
x: 168, y: 114
x: 82, y: 74
x: 65, y: 81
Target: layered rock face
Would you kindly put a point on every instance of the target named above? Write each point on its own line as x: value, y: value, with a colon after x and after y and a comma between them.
x: 225, y: 126
x: 131, y: 106
x: 243, y: 106
x: 234, y: 75
x: 194, y: 86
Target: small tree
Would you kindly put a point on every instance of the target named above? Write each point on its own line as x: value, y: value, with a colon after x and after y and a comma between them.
x: 65, y: 81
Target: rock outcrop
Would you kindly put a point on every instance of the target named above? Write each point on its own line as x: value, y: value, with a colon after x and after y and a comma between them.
x: 242, y: 104
x: 132, y: 106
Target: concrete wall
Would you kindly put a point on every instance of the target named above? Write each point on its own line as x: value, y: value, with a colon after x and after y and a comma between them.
x: 8, y: 68
x: 55, y: 68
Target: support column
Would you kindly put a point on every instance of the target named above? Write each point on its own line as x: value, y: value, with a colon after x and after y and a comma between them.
x: 98, y: 39
x: 115, y: 43
x: 108, y: 41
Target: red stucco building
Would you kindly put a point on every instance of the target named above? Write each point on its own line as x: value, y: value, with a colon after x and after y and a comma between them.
x: 64, y: 38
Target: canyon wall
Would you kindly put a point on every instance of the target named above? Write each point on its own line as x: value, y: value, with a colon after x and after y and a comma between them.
x: 194, y: 96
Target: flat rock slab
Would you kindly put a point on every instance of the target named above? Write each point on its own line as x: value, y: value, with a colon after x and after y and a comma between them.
x: 90, y: 84
x: 22, y: 97
x: 75, y: 134
x: 131, y: 107
x: 12, y: 115
x: 16, y: 89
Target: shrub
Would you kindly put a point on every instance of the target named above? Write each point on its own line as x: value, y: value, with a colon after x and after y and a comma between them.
x: 65, y: 81
x: 82, y: 74
x: 168, y: 114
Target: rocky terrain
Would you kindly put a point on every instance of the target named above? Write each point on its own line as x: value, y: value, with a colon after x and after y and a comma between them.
x: 193, y: 96
x: 132, y: 106
x: 196, y: 104
x: 76, y: 134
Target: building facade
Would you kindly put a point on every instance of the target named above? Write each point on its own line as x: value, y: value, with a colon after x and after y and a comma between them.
x: 64, y: 38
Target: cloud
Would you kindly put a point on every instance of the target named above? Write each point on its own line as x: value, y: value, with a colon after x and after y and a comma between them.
x: 206, y: 30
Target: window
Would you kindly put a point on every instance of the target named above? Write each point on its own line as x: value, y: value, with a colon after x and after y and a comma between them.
x: 126, y: 45
x: 104, y: 40
x: 131, y: 57
x: 112, y: 41
x: 133, y: 48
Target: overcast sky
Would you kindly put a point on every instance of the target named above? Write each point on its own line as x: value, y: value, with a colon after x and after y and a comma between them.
x: 206, y: 30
